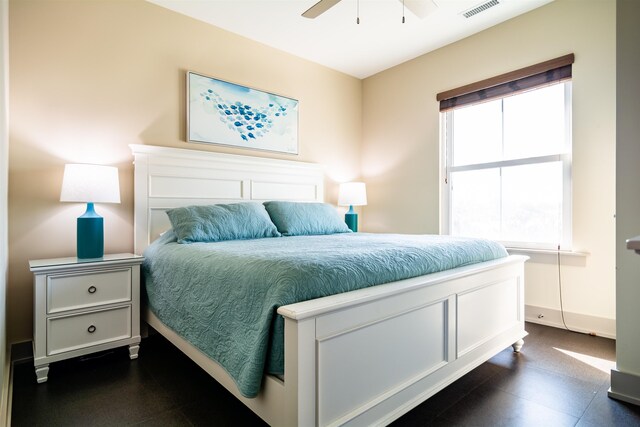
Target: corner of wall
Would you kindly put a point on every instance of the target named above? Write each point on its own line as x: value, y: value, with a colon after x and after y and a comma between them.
x: 4, y: 154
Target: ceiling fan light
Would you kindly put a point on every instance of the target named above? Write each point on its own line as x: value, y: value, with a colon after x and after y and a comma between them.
x: 420, y: 8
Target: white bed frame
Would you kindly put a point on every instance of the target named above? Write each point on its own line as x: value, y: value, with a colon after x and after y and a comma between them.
x: 359, y: 358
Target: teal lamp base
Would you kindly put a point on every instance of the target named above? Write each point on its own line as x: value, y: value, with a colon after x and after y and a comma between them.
x: 351, y: 218
x: 90, y: 234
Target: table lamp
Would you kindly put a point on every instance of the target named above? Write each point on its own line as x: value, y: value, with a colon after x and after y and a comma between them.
x: 352, y: 194
x: 90, y: 184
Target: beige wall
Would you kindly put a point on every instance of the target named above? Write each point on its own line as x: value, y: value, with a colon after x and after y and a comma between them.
x: 90, y: 77
x: 401, y: 145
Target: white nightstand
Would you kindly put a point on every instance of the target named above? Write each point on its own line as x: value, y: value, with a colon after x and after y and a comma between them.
x: 84, y: 306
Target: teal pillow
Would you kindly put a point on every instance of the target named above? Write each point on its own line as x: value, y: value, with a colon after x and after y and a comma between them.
x: 303, y: 219
x: 215, y: 223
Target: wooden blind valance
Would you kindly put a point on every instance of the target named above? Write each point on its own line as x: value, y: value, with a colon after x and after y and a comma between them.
x: 544, y: 73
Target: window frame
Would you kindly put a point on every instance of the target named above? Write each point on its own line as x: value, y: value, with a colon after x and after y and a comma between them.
x: 446, y: 132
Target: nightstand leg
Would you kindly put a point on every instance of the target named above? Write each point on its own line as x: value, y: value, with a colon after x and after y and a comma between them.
x: 517, y: 345
x: 42, y: 373
x: 133, y: 351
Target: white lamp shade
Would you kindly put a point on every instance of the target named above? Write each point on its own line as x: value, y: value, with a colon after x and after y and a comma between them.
x: 352, y: 194
x: 90, y: 184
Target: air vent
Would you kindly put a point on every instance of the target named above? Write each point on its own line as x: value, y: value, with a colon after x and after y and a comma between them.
x: 481, y: 8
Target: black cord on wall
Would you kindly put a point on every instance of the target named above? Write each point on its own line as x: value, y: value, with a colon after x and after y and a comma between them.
x: 560, y: 291
x: 561, y: 303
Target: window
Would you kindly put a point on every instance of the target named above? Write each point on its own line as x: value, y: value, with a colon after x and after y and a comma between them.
x: 507, y: 164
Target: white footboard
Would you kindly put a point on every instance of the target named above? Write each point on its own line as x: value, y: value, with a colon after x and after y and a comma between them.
x: 369, y: 356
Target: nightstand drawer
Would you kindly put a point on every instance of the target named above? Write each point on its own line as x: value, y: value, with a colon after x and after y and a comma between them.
x: 84, y: 330
x: 73, y: 291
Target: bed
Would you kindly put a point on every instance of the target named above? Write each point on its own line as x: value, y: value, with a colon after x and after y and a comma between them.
x: 362, y: 357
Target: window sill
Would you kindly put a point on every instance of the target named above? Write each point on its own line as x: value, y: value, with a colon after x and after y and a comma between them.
x: 529, y: 251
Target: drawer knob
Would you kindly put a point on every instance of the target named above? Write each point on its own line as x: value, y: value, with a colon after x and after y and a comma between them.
x: 92, y: 289
x: 91, y: 329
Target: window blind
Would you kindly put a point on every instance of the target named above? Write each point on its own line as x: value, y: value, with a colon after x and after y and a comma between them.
x: 542, y: 74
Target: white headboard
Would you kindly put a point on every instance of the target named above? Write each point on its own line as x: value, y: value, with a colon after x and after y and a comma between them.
x: 167, y: 177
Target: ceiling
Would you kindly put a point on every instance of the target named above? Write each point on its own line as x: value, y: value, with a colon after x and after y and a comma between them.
x: 334, y: 39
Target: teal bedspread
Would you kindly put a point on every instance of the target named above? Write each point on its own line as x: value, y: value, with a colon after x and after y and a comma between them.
x: 222, y: 297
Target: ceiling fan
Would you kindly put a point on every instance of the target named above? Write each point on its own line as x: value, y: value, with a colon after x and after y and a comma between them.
x: 319, y: 8
x: 420, y: 8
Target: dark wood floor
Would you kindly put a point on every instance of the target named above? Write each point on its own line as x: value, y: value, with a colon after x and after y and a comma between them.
x: 560, y: 379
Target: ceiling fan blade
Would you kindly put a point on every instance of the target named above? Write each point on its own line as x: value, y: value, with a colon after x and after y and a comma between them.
x: 420, y: 8
x: 319, y: 8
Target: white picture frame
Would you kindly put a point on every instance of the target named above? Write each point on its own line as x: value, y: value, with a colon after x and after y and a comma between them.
x: 224, y: 113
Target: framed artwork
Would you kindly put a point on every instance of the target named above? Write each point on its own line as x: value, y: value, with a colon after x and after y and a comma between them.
x: 220, y: 112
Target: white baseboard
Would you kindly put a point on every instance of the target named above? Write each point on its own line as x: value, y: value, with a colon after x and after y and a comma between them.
x: 599, y: 326
x: 625, y: 387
